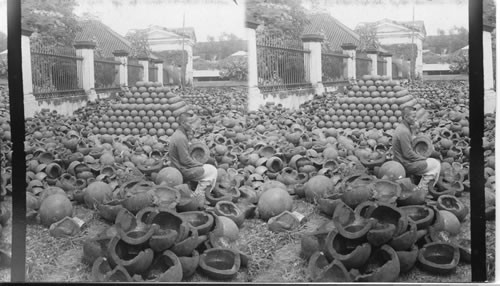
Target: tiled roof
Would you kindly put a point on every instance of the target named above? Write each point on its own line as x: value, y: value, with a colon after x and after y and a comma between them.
x: 334, y: 31
x: 107, y: 39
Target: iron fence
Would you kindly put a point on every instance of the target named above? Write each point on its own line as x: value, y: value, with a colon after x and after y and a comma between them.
x: 106, y: 74
x: 134, y: 72
x: 55, y: 71
x: 281, y: 64
x: 153, y: 73
x: 333, y: 68
x: 381, y: 68
x: 363, y: 66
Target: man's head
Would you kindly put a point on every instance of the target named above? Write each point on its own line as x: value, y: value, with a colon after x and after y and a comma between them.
x: 410, y: 115
x: 188, y: 121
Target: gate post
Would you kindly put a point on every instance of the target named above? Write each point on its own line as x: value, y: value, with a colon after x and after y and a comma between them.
x: 85, y: 67
x: 144, y: 61
x: 350, y: 50
x: 254, y: 95
x: 489, y: 81
x: 30, y: 103
x: 372, y: 54
x: 388, y: 64
x: 121, y: 56
x: 312, y: 42
x: 159, y: 70
x: 399, y: 62
x: 408, y: 62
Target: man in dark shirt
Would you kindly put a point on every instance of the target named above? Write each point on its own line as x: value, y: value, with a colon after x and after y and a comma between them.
x: 192, y: 170
x: 428, y: 168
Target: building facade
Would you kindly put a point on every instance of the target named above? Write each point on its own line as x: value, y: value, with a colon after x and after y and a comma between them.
x: 391, y: 32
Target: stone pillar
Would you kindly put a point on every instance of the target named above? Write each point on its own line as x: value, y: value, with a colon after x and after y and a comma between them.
x: 419, y: 63
x: 489, y: 82
x: 399, y: 62
x: 144, y: 62
x: 372, y: 54
x: 159, y: 70
x: 122, y: 57
x: 408, y: 62
x: 254, y: 96
x: 350, y: 50
x: 388, y: 64
x: 85, y: 67
x: 312, y: 42
x: 189, y: 65
x: 30, y: 103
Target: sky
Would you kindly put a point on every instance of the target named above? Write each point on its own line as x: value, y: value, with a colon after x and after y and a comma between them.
x: 436, y: 14
x: 212, y: 17
x: 207, y: 17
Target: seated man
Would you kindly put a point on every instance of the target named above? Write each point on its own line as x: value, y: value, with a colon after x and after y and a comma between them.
x: 192, y: 170
x: 428, y: 168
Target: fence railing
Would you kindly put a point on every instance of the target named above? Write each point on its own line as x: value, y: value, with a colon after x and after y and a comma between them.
x: 106, y: 74
x: 55, y: 71
x: 153, y: 76
x: 281, y: 64
x: 363, y: 66
x: 134, y: 72
x: 333, y: 68
x: 381, y: 66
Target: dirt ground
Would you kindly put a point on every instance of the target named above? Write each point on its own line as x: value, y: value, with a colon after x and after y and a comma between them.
x: 274, y: 256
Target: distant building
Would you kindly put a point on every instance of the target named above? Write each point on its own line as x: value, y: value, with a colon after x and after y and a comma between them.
x: 172, y: 39
x: 436, y: 69
x: 390, y: 32
x: 239, y: 54
x: 207, y: 75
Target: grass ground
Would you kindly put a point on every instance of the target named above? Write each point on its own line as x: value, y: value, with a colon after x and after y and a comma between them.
x: 274, y: 256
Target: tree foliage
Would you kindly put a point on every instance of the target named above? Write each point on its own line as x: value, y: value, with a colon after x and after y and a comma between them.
x: 53, y: 21
x: 3, y: 68
x: 367, y: 37
x: 202, y: 64
x: 402, y: 50
x: 457, y: 38
x: 226, y: 45
x: 234, y: 68
x: 278, y: 18
x: 432, y: 58
x: 3, y: 59
x: 489, y: 12
x: 460, y: 63
x: 173, y: 57
x: 281, y: 23
x: 139, y: 43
